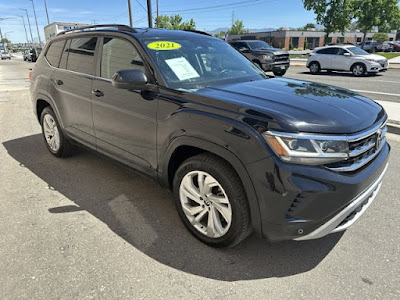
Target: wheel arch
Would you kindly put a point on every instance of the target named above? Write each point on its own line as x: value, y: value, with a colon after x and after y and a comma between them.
x: 184, y: 147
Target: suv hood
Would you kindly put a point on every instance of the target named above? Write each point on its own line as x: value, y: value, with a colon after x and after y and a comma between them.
x: 301, y: 106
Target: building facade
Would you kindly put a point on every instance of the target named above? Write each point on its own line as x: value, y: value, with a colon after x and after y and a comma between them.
x: 292, y: 39
x: 55, y: 28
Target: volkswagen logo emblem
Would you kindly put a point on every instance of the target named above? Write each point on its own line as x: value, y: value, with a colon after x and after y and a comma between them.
x: 379, y: 137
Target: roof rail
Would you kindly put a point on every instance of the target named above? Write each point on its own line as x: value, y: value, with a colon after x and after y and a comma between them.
x: 197, y: 31
x: 118, y: 26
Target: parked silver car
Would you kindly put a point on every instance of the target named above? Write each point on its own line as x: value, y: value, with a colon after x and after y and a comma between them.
x: 346, y: 58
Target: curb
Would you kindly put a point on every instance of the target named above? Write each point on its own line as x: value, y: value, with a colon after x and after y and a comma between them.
x: 393, y: 127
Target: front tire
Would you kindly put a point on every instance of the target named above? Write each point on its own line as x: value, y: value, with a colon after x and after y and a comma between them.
x: 358, y: 70
x: 279, y: 72
x: 55, y: 140
x: 211, y: 201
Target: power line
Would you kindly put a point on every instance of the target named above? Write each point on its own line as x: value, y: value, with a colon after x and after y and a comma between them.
x: 214, y: 7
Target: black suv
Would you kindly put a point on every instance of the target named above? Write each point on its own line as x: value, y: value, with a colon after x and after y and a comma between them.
x: 241, y: 152
x: 263, y: 55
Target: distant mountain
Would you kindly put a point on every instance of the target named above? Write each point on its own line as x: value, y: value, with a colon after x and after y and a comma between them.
x: 218, y: 30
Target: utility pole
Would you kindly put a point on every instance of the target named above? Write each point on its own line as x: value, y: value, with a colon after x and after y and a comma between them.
x: 26, y: 33
x: 157, y: 15
x: 47, y: 13
x: 130, y: 13
x: 233, y: 16
x: 149, y: 14
x: 30, y: 28
x: 37, y: 26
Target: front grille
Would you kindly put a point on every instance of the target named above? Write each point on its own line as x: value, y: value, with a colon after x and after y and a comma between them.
x: 281, y: 57
x: 362, y: 150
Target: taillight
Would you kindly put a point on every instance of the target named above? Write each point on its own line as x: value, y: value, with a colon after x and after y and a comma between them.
x: 30, y: 75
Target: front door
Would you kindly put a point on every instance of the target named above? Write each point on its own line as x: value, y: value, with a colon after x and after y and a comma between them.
x: 124, y: 120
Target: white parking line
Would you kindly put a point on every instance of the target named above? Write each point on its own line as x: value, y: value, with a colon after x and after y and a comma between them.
x: 378, y: 93
x: 387, y: 81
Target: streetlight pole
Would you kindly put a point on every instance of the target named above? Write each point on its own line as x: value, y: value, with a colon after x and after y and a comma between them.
x: 26, y: 34
x: 37, y: 27
x: 149, y: 14
x: 157, y: 21
x: 1, y: 34
x: 30, y: 28
x: 130, y: 13
x: 47, y: 13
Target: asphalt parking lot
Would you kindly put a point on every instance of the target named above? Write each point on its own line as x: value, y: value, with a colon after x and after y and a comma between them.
x: 88, y: 228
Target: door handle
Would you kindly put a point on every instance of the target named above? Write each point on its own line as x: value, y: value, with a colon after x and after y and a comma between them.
x: 97, y: 93
x: 59, y: 82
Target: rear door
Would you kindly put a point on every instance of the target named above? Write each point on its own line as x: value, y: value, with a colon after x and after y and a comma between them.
x: 325, y: 57
x: 72, y: 88
x: 125, y: 120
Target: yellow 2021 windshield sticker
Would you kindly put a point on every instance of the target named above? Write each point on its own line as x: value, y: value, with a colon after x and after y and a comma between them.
x: 163, y: 45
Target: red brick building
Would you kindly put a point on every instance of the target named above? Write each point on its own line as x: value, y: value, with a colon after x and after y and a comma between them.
x: 291, y: 39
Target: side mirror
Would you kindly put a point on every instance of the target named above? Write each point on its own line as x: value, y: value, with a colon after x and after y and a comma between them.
x: 346, y: 54
x: 131, y: 79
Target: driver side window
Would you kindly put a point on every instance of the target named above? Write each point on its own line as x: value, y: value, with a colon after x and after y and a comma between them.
x: 119, y: 54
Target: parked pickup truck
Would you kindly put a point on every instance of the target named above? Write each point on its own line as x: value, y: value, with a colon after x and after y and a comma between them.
x: 267, y: 58
x: 373, y: 47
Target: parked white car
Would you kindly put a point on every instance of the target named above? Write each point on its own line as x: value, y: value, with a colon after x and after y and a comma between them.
x: 5, y: 55
x: 346, y: 58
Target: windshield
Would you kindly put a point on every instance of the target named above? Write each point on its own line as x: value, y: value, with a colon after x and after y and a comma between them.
x: 357, y: 51
x: 194, y: 63
x: 258, y: 45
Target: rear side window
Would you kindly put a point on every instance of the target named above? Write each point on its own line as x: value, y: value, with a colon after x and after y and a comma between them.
x: 54, y: 53
x: 328, y: 51
x: 119, y: 54
x: 81, y: 55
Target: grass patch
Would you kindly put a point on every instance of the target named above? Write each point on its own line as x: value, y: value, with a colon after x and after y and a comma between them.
x: 389, y: 55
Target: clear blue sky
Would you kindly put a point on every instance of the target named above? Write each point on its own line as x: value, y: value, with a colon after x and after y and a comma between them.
x: 254, y: 13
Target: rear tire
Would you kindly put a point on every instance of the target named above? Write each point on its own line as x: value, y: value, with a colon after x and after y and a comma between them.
x: 55, y: 140
x: 315, y: 68
x: 211, y: 201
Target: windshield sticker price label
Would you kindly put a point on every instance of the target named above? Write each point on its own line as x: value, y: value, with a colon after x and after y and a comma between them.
x: 163, y: 45
x: 182, y: 68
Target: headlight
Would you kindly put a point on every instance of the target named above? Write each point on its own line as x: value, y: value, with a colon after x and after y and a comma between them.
x: 373, y: 60
x: 268, y: 56
x: 307, y: 149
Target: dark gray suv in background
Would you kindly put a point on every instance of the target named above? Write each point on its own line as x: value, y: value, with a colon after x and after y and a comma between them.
x: 269, y: 59
x: 241, y: 152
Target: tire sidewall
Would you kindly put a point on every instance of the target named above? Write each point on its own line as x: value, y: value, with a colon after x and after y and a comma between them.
x: 318, y: 70
x: 193, y: 165
x: 49, y: 111
x: 359, y: 64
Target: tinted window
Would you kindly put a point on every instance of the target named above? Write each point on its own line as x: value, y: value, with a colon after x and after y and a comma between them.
x: 64, y: 56
x: 54, y: 53
x: 240, y: 45
x: 119, y: 54
x: 81, y: 55
x: 327, y: 51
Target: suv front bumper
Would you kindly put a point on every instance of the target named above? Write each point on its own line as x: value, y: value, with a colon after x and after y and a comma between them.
x: 299, y: 202
x: 275, y: 66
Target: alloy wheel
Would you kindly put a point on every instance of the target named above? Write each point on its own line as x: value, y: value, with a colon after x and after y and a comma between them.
x: 205, y: 204
x: 51, y: 133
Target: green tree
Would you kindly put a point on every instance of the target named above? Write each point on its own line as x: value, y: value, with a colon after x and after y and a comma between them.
x: 380, y: 37
x: 237, y: 27
x: 5, y: 41
x: 334, y: 15
x: 174, y: 22
x: 384, y: 14
x: 221, y: 34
